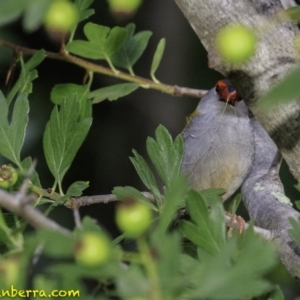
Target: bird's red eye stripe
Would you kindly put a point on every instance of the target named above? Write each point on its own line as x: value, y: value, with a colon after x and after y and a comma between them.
x: 226, y: 92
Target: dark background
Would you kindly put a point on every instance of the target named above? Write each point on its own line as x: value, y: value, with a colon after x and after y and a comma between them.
x: 122, y: 125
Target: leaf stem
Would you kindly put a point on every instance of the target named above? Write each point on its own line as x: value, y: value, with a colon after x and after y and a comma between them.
x: 44, y: 193
x: 150, y: 267
x: 92, y: 67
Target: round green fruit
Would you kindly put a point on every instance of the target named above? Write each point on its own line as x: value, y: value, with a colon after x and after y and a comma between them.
x: 124, y: 5
x: 236, y: 43
x: 61, y: 16
x: 8, y: 176
x: 92, y: 249
x: 9, y: 271
x: 133, y: 218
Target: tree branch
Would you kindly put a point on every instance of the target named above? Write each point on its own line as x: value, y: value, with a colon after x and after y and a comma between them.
x: 143, y: 82
x: 263, y: 195
x: 19, y: 204
x: 75, y: 203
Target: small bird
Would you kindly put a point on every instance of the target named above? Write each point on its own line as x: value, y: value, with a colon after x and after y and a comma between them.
x: 218, y: 141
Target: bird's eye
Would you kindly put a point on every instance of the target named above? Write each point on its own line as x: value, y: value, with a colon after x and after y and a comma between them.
x: 218, y: 88
x: 231, y: 89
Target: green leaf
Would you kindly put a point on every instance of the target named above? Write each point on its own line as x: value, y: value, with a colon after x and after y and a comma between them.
x: 295, y: 231
x: 194, y: 234
x: 102, y: 42
x: 64, y: 134
x: 241, y: 260
x: 27, y: 75
x: 297, y: 203
x: 84, y: 12
x: 165, y: 154
x: 34, y: 14
x: 61, y: 91
x: 145, y: 174
x: 277, y: 294
x: 89, y: 225
x: 294, y: 13
x: 167, y: 247
x: 174, y: 200
x: 132, y: 284
x: 76, y: 188
x: 26, y: 164
x: 85, y: 49
x: 6, y: 237
x: 235, y: 203
x: 132, y: 49
x: 287, y: 90
x: 112, y: 92
x: 208, y: 227
x: 13, y: 134
x: 11, y: 10
x: 50, y: 239
x: 213, y: 194
x: 157, y: 58
x: 128, y: 192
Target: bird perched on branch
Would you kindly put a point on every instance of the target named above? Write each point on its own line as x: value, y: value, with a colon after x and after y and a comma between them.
x: 218, y: 141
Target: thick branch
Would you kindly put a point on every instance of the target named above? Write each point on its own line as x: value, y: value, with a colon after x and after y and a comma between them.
x: 262, y: 192
x: 275, y: 57
x: 19, y: 204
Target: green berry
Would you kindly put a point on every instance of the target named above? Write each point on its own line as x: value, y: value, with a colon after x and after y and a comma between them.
x: 8, y: 176
x: 9, y: 271
x: 61, y: 16
x: 236, y: 43
x: 127, y: 6
x: 133, y: 218
x: 92, y: 249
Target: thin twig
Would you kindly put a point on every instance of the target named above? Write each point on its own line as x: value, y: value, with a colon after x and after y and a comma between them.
x: 77, y: 219
x: 24, y: 187
x: 89, y: 66
x: 75, y: 203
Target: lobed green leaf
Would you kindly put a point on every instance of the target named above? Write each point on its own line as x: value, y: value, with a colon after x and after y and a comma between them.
x: 76, y: 188
x: 64, y: 134
x: 208, y: 227
x: 145, y: 174
x: 112, y: 92
x: 239, y: 261
x: 165, y: 154
x: 13, y: 134
x: 27, y: 75
x: 83, y: 8
x: 132, y: 49
x: 102, y: 42
x: 128, y: 192
x: 61, y: 91
x: 173, y: 201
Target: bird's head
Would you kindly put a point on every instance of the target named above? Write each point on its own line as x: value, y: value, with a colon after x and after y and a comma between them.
x: 227, y: 93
